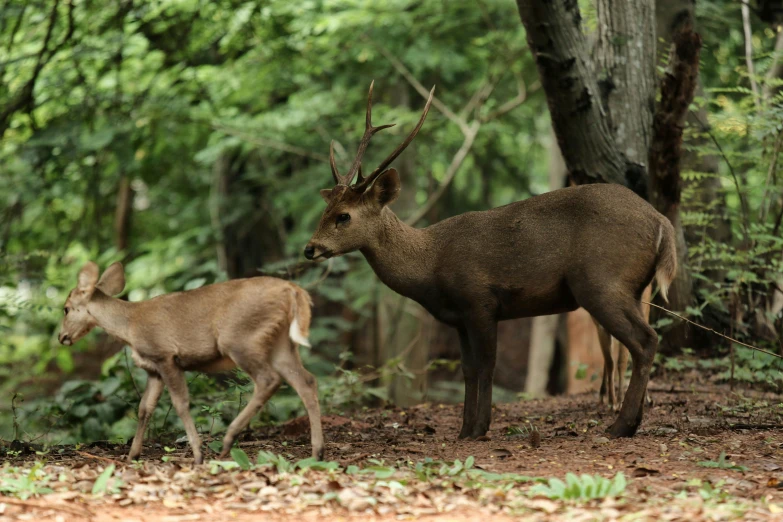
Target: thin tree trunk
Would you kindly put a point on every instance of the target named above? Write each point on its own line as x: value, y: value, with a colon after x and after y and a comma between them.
x: 122, y: 213
x: 677, y: 91
x: 408, y: 333
x: 775, y: 71
x: 544, y: 327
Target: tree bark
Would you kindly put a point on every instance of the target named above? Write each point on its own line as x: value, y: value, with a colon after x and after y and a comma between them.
x: 625, y: 59
x: 775, y: 71
x: 559, y: 46
x: 677, y: 91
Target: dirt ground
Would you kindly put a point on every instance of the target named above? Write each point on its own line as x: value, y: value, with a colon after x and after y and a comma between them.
x: 687, y: 426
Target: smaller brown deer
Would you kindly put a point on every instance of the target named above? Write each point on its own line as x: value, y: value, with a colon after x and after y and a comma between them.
x: 255, y: 324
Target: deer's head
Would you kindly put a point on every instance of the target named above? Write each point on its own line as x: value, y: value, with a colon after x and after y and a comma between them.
x: 78, y: 321
x: 353, y: 212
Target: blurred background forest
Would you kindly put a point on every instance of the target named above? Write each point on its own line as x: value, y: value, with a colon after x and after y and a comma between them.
x: 189, y: 139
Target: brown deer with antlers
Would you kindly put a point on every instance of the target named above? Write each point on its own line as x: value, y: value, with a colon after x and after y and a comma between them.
x: 595, y: 246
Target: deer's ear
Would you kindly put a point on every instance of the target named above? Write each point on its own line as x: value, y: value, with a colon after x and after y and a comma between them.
x: 112, y: 282
x: 326, y: 194
x: 88, y: 277
x: 386, y: 188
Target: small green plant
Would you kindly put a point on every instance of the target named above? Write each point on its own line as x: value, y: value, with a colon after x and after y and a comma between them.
x: 26, y: 485
x: 241, y: 458
x: 582, y: 488
x: 279, y: 462
x: 105, y: 484
x: 167, y: 457
x: 722, y: 463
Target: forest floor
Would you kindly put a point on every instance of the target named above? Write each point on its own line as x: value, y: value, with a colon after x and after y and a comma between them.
x: 703, y: 453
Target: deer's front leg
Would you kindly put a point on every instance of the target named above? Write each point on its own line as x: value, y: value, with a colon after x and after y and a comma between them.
x: 174, y: 378
x: 146, y: 408
x: 470, y: 371
x: 483, y: 339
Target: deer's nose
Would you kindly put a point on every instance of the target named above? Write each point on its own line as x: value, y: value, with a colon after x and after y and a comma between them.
x: 309, y: 251
x: 64, y: 339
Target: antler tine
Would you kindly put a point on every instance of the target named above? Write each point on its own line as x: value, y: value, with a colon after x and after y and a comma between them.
x: 366, y: 182
x: 333, y: 164
x: 369, y: 131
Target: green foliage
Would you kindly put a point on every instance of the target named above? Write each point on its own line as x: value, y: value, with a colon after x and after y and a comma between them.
x: 582, y: 488
x: 241, y: 458
x: 105, y: 484
x: 155, y: 97
x: 750, y: 366
x: 23, y: 485
x: 722, y: 463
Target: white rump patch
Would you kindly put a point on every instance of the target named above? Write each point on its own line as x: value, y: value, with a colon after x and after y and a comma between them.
x: 295, y: 333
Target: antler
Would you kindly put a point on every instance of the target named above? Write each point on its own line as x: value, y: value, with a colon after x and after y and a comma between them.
x: 363, y: 183
x: 369, y: 131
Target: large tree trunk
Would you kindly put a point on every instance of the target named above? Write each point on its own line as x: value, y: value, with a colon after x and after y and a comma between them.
x: 584, y: 134
x: 625, y: 64
x: 601, y: 117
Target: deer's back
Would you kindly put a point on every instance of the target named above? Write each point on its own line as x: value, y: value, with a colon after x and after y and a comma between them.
x: 221, y: 312
x: 529, y: 254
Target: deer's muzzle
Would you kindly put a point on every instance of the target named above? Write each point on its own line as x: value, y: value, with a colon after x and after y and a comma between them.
x: 314, y: 252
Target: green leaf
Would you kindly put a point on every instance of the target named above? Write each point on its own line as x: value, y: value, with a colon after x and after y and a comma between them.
x: 618, y: 485
x: 314, y: 464
x: 102, y: 482
x: 469, y: 462
x: 241, y: 458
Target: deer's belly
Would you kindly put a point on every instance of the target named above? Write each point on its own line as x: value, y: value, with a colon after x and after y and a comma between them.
x: 222, y: 364
x: 527, y: 302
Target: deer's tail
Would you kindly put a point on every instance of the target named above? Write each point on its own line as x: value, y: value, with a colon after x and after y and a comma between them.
x: 666, y: 264
x: 299, y: 316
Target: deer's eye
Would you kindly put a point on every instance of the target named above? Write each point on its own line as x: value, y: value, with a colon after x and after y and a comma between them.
x: 66, y: 310
x: 343, y: 218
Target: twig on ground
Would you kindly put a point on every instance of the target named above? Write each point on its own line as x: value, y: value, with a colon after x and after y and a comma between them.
x: 715, y: 332
x: 98, y: 457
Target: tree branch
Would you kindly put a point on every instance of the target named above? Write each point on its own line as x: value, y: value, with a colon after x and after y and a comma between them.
x: 451, y: 171
x: 405, y: 73
x: 272, y: 144
x: 513, y: 103
x: 24, y: 97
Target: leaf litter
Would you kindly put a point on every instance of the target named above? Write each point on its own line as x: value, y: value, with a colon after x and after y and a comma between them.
x: 389, y: 464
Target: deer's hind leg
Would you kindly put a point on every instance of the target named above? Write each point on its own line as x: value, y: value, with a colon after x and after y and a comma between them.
x: 266, y: 382
x: 607, y: 383
x: 146, y: 408
x: 287, y: 362
x: 620, y: 312
x: 174, y: 378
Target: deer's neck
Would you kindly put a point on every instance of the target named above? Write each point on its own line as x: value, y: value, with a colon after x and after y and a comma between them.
x: 112, y: 314
x: 403, y: 257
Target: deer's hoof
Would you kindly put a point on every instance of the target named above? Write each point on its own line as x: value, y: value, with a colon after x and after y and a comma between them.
x: 621, y: 428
